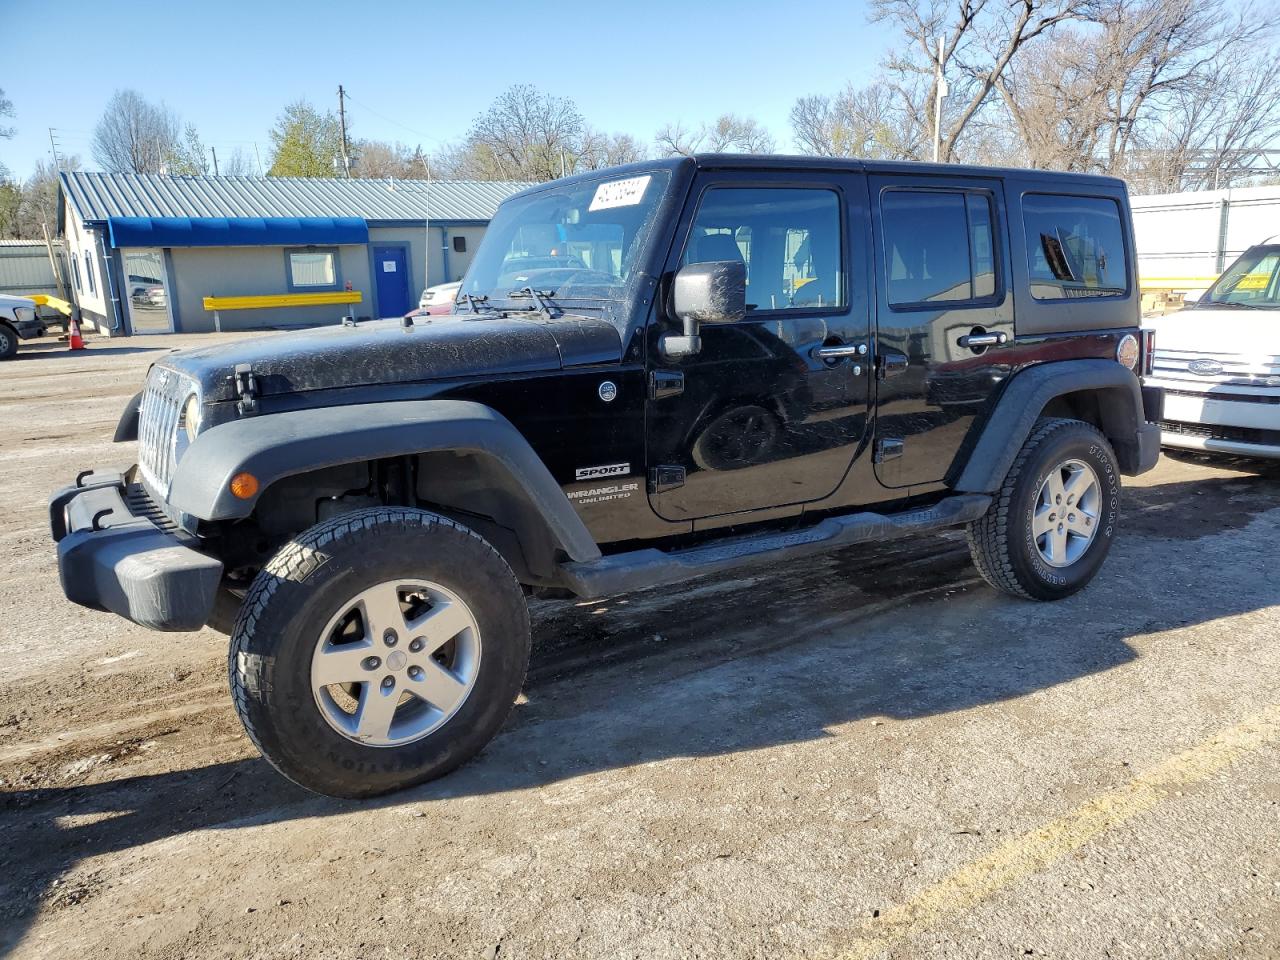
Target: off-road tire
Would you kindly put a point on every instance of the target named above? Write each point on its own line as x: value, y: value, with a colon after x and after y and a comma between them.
x: 304, y: 585
x: 1002, y: 543
x: 8, y: 342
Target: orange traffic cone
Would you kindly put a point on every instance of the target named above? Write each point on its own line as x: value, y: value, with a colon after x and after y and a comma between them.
x: 77, y: 341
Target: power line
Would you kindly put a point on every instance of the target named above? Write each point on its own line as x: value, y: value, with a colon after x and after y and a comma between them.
x: 394, y: 123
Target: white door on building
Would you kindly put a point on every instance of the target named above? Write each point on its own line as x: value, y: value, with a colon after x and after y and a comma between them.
x: 147, y: 291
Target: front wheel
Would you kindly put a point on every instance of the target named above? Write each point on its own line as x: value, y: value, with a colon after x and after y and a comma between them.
x: 378, y: 650
x: 1051, y: 524
x: 8, y: 342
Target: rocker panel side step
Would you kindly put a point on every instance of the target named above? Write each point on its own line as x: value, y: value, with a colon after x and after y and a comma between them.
x: 640, y: 569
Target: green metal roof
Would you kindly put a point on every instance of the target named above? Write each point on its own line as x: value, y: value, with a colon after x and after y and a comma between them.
x: 100, y: 196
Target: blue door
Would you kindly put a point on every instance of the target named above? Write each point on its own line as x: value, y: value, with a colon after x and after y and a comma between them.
x: 391, y: 281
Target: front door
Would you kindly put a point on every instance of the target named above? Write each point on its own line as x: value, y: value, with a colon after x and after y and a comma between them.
x: 772, y: 409
x: 147, y: 290
x: 941, y: 263
x: 391, y: 281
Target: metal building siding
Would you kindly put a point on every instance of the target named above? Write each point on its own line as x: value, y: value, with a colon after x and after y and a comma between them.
x: 98, y: 196
x: 25, y: 267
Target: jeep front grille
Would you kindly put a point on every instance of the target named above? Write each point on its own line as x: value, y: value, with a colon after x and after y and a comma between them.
x: 163, y: 397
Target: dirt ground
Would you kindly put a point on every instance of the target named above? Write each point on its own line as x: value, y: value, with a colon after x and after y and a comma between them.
x: 870, y: 754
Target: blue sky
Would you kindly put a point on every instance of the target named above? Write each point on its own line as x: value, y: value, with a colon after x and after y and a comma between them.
x: 419, y: 72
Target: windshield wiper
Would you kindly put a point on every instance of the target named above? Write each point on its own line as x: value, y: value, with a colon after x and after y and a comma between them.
x: 476, y: 303
x: 540, y: 297
x: 1234, y: 305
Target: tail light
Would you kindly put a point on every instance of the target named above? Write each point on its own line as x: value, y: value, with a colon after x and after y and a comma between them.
x: 1148, y: 352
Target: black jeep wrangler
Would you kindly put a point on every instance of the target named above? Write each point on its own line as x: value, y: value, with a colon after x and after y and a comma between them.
x: 652, y: 373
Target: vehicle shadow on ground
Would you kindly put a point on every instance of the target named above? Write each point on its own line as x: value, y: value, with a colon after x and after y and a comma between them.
x: 49, y: 351
x: 778, y: 656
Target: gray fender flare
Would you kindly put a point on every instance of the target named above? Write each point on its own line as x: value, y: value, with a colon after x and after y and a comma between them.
x: 1119, y: 393
x: 278, y: 445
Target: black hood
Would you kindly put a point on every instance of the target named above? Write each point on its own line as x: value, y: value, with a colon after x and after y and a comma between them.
x: 385, y: 351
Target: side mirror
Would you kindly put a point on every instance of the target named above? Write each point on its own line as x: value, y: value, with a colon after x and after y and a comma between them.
x: 714, y: 292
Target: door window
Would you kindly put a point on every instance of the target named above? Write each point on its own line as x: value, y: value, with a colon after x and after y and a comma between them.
x: 939, y: 246
x: 147, y: 290
x: 1075, y: 247
x: 789, y: 239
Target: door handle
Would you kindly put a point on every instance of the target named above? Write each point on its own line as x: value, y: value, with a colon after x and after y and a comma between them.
x: 977, y: 341
x: 841, y: 350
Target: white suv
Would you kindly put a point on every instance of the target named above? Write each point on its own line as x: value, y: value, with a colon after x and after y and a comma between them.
x: 1219, y: 362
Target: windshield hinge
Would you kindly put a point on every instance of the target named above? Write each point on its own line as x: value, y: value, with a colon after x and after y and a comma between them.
x: 246, y: 389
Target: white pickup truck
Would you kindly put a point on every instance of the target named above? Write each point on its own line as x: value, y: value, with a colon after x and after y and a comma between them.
x: 1218, y: 361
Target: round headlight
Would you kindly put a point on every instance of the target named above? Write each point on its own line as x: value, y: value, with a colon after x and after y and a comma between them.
x: 1127, y: 351
x: 191, y: 417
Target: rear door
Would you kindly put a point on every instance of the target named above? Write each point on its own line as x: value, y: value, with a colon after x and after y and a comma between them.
x: 942, y: 292
x: 767, y: 414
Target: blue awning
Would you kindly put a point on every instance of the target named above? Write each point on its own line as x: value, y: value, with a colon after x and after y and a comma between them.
x: 235, y: 232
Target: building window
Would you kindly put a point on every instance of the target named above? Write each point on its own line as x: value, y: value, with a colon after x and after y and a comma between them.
x: 1075, y: 247
x: 88, y: 272
x: 75, y: 271
x: 938, y: 247
x: 459, y: 244
x: 313, y: 268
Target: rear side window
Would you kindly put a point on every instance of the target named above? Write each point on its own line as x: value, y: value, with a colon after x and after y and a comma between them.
x: 938, y: 247
x: 1075, y: 247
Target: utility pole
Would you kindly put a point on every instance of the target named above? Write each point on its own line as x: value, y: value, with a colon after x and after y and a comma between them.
x: 57, y: 164
x: 214, y: 151
x: 940, y: 91
x: 342, y: 120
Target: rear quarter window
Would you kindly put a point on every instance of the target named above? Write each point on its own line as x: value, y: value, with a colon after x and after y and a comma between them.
x: 1075, y: 247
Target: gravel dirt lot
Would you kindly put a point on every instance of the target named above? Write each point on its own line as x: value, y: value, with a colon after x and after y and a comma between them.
x: 870, y: 754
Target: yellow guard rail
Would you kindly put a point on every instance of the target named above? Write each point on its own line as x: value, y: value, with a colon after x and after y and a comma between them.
x: 282, y: 300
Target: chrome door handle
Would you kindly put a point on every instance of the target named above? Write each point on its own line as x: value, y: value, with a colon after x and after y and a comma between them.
x: 977, y: 340
x: 841, y: 350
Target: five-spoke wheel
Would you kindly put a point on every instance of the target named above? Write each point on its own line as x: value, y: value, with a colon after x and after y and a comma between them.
x: 396, y: 662
x: 377, y: 650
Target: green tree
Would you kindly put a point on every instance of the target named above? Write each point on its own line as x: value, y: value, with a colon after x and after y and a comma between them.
x: 11, y: 198
x: 305, y: 142
x: 189, y: 155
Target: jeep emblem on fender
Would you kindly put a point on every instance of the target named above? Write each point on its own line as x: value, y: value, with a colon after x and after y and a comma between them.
x: 1205, y: 368
x: 608, y: 390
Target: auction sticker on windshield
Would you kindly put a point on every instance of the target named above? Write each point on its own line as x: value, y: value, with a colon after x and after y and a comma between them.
x: 619, y: 193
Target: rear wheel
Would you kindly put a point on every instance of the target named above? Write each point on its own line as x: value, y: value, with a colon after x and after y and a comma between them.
x: 377, y: 650
x: 1051, y: 524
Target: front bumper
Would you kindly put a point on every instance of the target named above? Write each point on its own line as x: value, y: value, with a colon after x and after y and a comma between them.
x: 1246, y: 425
x: 114, y: 554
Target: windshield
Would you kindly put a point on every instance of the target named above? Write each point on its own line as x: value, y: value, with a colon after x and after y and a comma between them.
x: 579, y: 241
x: 1252, y: 281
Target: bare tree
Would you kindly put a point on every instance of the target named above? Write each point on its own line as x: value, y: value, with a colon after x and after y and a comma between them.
x: 239, y: 164
x: 871, y: 121
x: 728, y: 133
x: 1169, y: 93
x: 524, y: 135
x: 676, y: 140
x: 134, y: 136
x: 40, y: 197
x: 6, y: 110
x: 980, y: 41
x: 597, y: 150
